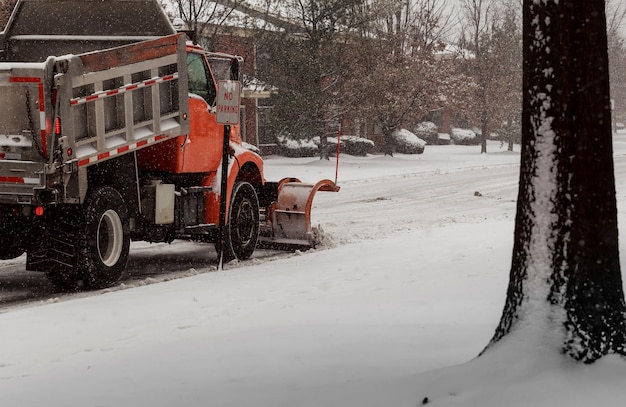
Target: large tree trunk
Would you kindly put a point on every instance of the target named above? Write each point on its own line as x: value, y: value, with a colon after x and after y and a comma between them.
x: 565, y: 274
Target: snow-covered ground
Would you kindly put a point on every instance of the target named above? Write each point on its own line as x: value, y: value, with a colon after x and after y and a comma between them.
x: 411, y: 280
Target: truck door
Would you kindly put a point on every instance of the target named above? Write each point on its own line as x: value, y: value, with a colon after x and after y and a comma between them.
x: 202, y: 152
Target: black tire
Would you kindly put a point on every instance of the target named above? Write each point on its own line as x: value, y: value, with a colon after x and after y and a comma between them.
x: 9, y: 248
x: 242, y: 229
x: 106, y: 239
x: 13, y: 234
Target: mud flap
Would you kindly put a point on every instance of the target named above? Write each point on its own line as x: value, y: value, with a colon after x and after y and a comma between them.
x: 290, y: 215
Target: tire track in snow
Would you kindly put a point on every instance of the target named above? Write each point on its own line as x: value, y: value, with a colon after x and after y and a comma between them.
x: 416, y: 201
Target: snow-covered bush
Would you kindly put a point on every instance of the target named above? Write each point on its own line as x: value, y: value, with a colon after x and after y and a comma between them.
x: 309, y: 148
x: 479, y: 134
x: 354, y: 145
x: 331, y: 144
x: 428, y: 132
x: 464, y: 136
x: 296, y: 148
x: 407, y: 143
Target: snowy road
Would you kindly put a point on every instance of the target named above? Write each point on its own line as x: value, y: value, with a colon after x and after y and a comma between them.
x: 448, y: 184
x: 147, y: 264
x: 435, y: 187
x: 416, y: 201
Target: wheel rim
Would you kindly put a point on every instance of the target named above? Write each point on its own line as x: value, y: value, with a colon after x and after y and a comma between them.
x: 109, y: 238
x: 244, y: 226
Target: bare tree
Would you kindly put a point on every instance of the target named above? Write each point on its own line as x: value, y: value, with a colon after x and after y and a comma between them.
x: 413, y: 26
x: 478, y: 15
x: 565, y: 274
x: 616, y: 17
x: 205, y: 18
x: 504, y: 100
x: 306, y: 61
x: 398, y: 75
x: 492, y: 32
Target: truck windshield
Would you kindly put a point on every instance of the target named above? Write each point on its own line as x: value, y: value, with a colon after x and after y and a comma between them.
x: 200, y: 80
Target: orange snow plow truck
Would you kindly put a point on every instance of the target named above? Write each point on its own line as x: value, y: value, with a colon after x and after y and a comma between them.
x: 108, y: 134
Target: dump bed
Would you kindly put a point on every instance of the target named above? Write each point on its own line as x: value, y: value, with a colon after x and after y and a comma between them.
x: 80, y: 82
x: 122, y: 99
x: 62, y: 116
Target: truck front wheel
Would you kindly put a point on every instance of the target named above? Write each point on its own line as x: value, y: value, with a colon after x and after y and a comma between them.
x: 242, y: 229
x: 106, y: 239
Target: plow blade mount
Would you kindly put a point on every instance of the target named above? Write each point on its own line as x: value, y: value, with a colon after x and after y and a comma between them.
x: 289, y: 217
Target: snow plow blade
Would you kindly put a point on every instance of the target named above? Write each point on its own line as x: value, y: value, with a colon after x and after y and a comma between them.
x: 288, y: 221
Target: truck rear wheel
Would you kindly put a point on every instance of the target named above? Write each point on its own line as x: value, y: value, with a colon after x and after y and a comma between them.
x: 106, y: 239
x: 242, y: 229
x: 12, y: 237
x: 91, y: 243
x: 9, y: 248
